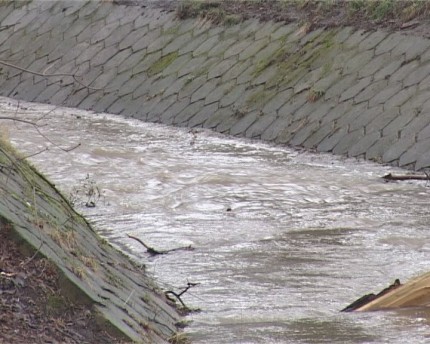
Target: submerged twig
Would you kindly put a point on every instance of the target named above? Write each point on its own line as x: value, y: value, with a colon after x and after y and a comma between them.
x: 178, y: 295
x: 154, y: 252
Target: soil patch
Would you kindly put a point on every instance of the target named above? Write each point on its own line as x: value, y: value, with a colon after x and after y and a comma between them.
x: 32, y: 309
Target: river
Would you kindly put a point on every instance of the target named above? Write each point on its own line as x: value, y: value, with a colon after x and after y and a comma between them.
x: 282, y: 239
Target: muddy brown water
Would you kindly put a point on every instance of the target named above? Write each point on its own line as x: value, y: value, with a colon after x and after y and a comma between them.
x: 283, y: 239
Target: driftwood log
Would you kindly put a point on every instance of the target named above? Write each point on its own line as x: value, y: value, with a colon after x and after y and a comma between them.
x: 364, y: 300
x: 391, y: 176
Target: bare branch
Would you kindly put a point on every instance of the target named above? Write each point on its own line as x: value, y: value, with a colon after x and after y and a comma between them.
x: 49, y: 75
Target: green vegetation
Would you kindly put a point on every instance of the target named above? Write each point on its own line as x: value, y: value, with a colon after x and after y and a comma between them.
x: 209, y: 9
x: 162, y: 63
x: 312, y: 12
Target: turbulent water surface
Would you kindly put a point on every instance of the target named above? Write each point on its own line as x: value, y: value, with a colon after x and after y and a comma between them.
x: 283, y: 240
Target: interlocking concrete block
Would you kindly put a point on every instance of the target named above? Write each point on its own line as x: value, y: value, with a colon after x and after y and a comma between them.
x: 273, y: 130
x: 362, y: 146
x: 330, y: 141
x: 247, y: 75
x: 160, y: 107
x: 170, y: 113
x: 343, y: 84
x: 267, y: 29
x: 245, y: 120
x: 348, y: 140
x: 351, y: 92
x: 376, y: 151
x: 103, y: 56
x: 400, y: 122
x: 226, y: 123
x: 214, y: 120
x: 416, y: 125
x: 308, y: 80
x: 159, y: 43
x: 413, y: 152
x: 190, y: 87
x: 116, y: 84
x: 388, y: 70
x: 206, y: 46
x: 104, y: 32
x: 317, y: 111
x: 401, y: 97
x: 423, y: 162
x: 411, y: 46
x: 132, y: 38
x: 177, y: 43
x: 90, y: 31
x: 51, y: 23
x: 303, y: 133
x: 417, y: 75
x: 237, y: 48
x: 204, y: 90
x: 364, y: 117
x: 117, y: 59
x: 263, y: 121
x: 190, y: 66
x: 176, y: 86
x: 232, y: 97
x: 283, y: 31
x: 76, y: 97
x: 143, y: 88
x: 382, y: 120
x: 221, y: 47
x: 203, y: 115
x: 104, y: 79
x: 389, y: 43
x: 60, y: 97
x: 131, y: 61
x: 147, y: 62
x: 356, y: 63
x: 237, y: 70
x: 146, y: 39
x: 397, y: 148
x: 372, y: 40
x: 377, y: 63
x: 221, y: 68
x: 254, y: 48
x: 423, y: 133
x: 48, y: 93
x: 219, y: 92
x: 318, y: 135
x: 62, y: 51
x: 385, y: 94
x: 266, y: 75
x: 355, y: 38
x: 278, y: 101
x: 369, y: 92
x: 193, y: 44
x: 404, y: 71
x: 187, y: 113
x: 105, y: 102
x: 120, y: 104
x: 14, y: 16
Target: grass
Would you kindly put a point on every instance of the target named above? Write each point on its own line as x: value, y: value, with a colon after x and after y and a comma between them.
x: 311, y: 11
x: 211, y: 10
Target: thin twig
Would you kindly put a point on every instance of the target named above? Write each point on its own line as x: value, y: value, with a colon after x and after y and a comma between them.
x: 33, y: 256
x: 150, y: 250
x: 48, y: 75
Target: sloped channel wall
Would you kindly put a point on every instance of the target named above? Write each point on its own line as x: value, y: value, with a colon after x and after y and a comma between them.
x: 350, y: 92
x: 126, y: 301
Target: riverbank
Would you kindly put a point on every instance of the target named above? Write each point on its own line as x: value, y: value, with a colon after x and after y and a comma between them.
x: 76, y: 265
x: 346, y: 90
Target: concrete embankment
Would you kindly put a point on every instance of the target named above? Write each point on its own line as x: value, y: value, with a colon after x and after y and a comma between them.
x: 351, y: 92
x: 126, y: 301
